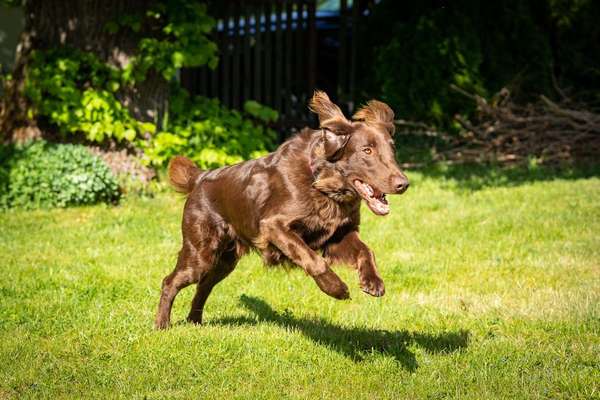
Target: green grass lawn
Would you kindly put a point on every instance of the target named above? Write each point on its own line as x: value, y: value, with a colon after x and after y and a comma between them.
x: 493, y: 291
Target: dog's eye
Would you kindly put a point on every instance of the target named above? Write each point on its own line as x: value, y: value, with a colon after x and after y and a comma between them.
x: 368, y: 150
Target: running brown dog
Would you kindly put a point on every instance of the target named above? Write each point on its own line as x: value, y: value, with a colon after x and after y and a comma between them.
x: 270, y: 204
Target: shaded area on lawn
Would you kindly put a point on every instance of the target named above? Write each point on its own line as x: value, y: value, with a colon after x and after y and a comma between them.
x: 354, y: 343
x: 473, y: 177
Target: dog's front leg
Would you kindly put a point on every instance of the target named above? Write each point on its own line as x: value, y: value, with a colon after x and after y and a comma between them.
x: 292, y: 245
x: 353, y: 251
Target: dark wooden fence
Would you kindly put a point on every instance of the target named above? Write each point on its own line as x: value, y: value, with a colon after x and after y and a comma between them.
x: 267, y: 53
x: 277, y: 52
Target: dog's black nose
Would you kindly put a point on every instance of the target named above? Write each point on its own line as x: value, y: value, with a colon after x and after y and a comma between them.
x: 400, y: 183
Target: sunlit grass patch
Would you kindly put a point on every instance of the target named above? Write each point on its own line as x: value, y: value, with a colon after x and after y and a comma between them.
x: 493, y: 291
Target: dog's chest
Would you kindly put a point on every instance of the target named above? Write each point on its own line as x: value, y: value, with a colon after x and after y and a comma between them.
x: 316, y: 228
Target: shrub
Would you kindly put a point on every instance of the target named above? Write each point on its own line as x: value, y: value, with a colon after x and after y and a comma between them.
x: 77, y: 93
x: 422, y: 48
x: 180, y: 38
x: 210, y: 134
x: 80, y: 96
x: 40, y: 175
x: 133, y: 177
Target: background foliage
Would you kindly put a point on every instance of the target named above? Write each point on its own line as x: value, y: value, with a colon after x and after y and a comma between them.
x: 41, y: 174
x: 210, y: 134
x: 79, y: 96
x: 76, y: 94
x: 533, y: 46
x: 416, y: 50
x: 177, y: 38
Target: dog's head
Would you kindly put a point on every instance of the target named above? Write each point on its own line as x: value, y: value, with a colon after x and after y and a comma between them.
x: 362, y: 150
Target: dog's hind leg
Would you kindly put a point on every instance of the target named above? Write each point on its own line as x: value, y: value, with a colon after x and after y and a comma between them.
x: 221, y: 269
x: 189, y: 269
x: 171, y: 285
x: 197, y: 258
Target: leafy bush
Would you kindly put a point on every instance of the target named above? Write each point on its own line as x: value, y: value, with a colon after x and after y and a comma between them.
x: 180, y: 38
x: 211, y: 134
x: 41, y: 174
x: 415, y: 69
x: 422, y: 48
x: 77, y: 93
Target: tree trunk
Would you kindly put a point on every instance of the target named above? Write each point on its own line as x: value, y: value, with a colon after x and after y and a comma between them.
x: 80, y: 24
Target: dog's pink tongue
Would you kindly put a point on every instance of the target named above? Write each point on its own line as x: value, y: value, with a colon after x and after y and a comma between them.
x: 376, y: 205
x: 365, y: 189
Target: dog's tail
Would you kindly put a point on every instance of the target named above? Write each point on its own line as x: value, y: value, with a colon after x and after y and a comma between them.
x: 183, y: 173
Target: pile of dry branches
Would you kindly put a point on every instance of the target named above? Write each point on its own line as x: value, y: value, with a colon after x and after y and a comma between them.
x: 503, y: 131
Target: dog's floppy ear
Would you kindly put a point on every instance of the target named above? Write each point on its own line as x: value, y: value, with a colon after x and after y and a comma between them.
x: 336, y: 127
x: 333, y: 143
x: 376, y: 113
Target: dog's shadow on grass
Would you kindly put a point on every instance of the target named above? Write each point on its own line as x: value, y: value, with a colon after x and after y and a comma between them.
x: 354, y: 343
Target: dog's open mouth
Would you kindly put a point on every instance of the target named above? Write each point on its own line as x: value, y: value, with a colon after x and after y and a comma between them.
x: 375, y: 199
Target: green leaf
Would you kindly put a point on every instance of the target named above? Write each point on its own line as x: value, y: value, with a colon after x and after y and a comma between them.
x: 111, y: 27
x: 113, y: 86
x: 147, y: 127
x: 261, y: 112
x: 129, y: 134
x: 178, y: 59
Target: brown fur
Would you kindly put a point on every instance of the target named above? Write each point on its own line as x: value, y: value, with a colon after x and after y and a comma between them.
x: 376, y: 113
x: 331, y: 182
x: 291, y: 205
x: 182, y: 174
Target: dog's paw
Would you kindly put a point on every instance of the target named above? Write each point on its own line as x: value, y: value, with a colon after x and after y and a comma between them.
x: 373, y: 286
x: 194, y: 318
x: 161, y: 324
x: 331, y: 284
